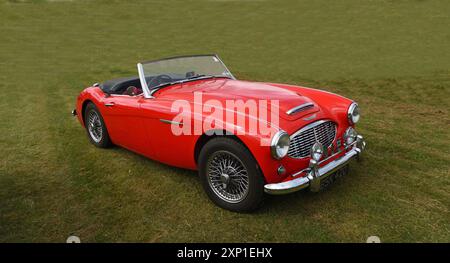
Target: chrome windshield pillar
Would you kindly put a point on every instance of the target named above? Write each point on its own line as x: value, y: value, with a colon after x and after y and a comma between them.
x: 144, y: 85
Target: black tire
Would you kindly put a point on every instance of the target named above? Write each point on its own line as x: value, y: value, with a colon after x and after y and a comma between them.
x: 222, y: 148
x: 103, y: 140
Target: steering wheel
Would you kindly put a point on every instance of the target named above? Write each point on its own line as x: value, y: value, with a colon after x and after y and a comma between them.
x: 158, y: 80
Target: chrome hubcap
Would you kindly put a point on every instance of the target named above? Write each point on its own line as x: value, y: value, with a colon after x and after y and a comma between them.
x: 225, y: 178
x: 228, y: 176
x: 95, y: 126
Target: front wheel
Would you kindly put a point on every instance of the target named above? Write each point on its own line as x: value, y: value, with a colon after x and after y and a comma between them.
x: 95, y: 127
x: 230, y: 175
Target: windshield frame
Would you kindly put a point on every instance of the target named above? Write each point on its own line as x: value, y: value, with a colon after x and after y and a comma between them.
x: 148, y: 93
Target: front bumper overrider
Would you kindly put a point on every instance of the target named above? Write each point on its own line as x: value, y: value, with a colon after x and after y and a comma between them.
x: 315, y: 173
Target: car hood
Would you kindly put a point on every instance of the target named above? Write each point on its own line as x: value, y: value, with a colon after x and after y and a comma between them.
x: 225, y: 89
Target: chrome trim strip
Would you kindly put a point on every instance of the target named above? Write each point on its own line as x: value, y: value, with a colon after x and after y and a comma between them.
x: 300, y: 108
x: 328, y: 169
x: 170, y: 122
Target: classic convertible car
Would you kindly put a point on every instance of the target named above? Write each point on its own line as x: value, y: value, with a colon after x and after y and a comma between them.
x: 276, y: 138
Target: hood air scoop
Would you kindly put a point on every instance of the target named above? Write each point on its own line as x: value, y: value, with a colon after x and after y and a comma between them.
x: 300, y: 108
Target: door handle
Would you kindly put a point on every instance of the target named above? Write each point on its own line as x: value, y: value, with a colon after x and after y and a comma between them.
x: 109, y: 104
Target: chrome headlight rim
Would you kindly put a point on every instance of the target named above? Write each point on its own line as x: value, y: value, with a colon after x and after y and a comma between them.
x: 283, y: 137
x: 353, y: 118
x: 350, y: 133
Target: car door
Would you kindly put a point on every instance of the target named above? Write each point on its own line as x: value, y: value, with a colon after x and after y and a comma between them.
x: 166, y: 147
x: 124, y: 122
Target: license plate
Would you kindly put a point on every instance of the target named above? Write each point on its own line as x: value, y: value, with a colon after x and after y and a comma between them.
x: 326, y: 182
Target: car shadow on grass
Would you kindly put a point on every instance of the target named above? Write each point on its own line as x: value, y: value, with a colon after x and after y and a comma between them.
x: 296, y: 203
x: 155, y: 165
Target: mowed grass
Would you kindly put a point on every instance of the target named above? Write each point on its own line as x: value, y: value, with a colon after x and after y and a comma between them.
x: 393, y: 57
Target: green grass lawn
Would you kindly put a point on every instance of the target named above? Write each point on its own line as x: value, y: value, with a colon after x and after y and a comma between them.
x: 393, y: 57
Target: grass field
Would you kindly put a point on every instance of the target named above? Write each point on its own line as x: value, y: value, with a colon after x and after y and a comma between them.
x: 393, y: 57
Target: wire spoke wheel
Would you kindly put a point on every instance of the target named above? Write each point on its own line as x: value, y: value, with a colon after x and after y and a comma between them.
x: 227, y: 176
x: 95, y: 126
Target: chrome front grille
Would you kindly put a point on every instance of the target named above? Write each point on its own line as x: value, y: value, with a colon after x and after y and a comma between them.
x: 301, y: 142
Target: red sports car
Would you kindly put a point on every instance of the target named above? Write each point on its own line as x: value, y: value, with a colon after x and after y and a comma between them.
x: 245, y: 138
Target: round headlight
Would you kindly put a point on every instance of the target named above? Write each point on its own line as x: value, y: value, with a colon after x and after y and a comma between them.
x: 316, y: 151
x: 280, y: 145
x: 353, y: 113
x: 349, y: 136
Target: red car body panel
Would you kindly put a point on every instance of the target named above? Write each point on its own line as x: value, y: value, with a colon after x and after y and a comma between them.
x: 135, y: 122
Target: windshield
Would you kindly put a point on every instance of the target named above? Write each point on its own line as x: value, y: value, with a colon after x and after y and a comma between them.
x: 180, y: 69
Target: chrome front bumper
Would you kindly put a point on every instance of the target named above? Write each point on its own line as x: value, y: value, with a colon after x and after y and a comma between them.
x: 316, y: 174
